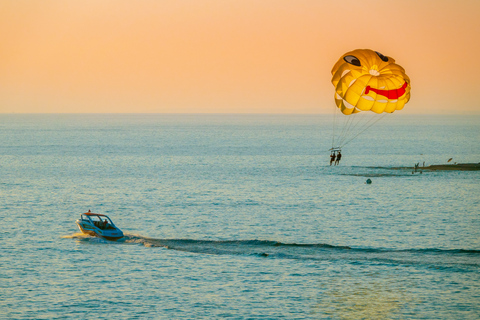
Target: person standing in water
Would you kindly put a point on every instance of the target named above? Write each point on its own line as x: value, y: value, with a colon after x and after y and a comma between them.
x: 339, y: 156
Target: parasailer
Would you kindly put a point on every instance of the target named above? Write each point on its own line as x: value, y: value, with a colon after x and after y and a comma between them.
x: 339, y: 156
x: 367, y: 85
x: 332, y: 157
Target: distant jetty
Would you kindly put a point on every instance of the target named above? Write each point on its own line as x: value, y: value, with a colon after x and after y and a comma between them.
x: 446, y: 167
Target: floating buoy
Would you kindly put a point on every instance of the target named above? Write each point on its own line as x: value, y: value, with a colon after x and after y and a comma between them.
x: 368, y: 181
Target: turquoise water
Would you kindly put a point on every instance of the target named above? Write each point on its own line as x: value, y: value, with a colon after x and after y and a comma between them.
x: 238, y: 216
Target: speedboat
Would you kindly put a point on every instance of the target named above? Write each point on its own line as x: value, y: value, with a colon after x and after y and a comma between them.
x: 98, y: 225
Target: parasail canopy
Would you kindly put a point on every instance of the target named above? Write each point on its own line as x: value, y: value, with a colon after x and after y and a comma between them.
x: 366, y: 80
x: 367, y: 84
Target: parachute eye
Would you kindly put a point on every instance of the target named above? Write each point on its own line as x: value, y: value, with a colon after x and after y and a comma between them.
x: 382, y: 56
x: 353, y: 60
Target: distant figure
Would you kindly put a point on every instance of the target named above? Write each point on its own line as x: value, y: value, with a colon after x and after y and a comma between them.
x: 368, y: 181
x: 339, y: 156
x: 89, y: 210
x: 332, y: 158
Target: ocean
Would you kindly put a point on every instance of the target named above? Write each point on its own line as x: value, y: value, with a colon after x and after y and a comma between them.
x: 238, y: 217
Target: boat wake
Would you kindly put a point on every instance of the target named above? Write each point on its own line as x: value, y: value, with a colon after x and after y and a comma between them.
x: 467, y: 260
x: 262, y: 248
x: 86, y: 238
x: 77, y: 236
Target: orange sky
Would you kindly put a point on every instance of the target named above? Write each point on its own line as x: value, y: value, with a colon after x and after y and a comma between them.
x: 228, y: 56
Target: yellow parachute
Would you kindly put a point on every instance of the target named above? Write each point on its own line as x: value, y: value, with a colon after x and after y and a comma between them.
x: 366, y: 80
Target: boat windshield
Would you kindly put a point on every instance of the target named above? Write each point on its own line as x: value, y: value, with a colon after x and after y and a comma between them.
x: 97, y: 218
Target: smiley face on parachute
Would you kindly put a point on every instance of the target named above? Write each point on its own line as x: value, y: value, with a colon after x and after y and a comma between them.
x: 366, y: 80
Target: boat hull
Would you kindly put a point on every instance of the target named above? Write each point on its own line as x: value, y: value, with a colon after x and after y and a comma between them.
x: 93, y: 231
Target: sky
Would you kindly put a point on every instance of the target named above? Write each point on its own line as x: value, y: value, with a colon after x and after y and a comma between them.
x: 228, y: 56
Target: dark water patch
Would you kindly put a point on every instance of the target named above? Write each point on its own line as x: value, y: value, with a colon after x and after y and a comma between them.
x: 376, y: 172
x: 376, y: 175
x: 445, y: 251
x: 427, y: 251
x: 306, y: 245
x: 438, y: 167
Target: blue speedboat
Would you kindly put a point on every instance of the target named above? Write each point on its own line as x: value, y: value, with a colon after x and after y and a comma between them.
x: 98, y: 225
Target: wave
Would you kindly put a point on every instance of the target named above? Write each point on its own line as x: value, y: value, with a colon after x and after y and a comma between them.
x: 77, y: 235
x: 444, y: 251
x: 85, y: 238
x: 184, y: 244
x: 265, y: 244
x: 427, y: 257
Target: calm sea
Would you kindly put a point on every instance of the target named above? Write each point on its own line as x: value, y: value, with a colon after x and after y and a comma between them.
x: 238, y: 216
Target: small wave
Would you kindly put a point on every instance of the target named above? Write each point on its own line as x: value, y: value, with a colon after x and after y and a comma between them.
x: 248, y: 246
x: 445, y: 251
x: 179, y: 244
x: 88, y: 238
x: 187, y: 243
x: 466, y: 259
x: 77, y: 235
x: 430, y: 251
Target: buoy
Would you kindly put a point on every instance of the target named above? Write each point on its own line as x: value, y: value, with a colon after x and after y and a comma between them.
x: 368, y: 181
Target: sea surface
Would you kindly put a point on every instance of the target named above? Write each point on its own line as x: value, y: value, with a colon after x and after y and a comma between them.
x: 238, y: 217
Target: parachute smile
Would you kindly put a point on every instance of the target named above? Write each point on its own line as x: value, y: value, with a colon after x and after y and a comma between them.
x: 392, y: 95
x: 389, y: 94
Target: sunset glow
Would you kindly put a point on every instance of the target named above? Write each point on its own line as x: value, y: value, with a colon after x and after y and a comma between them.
x: 214, y: 56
